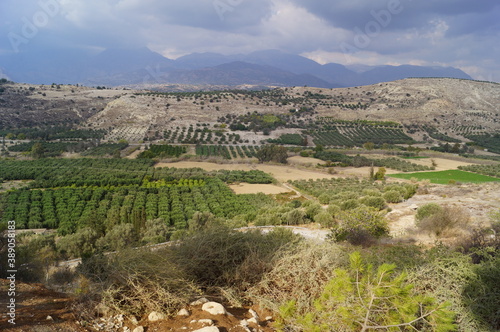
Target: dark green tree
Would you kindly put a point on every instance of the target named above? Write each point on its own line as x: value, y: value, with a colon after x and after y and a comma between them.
x: 272, y: 152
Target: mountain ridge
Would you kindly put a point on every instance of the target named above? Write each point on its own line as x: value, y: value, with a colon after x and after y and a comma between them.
x: 117, y: 67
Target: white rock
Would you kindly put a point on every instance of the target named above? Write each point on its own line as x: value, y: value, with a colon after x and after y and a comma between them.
x: 208, y: 329
x: 206, y: 321
x: 49, y: 318
x: 214, y: 308
x: 253, y: 320
x: 199, y: 301
x: 244, y: 323
x: 133, y: 320
x: 156, y: 316
x: 253, y: 313
x: 139, y: 329
x: 183, y: 312
x: 269, y: 318
x: 126, y: 329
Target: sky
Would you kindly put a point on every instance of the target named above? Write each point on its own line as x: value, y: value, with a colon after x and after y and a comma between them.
x: 459, y: 33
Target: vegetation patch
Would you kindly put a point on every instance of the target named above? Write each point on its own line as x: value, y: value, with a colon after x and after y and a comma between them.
x: 491, y: 142
x: 362, y: 161
x: 447, y: 177
x: 106, y: 149
x: 291, y: 139
x: 162, y: 151
x: 489, y: 170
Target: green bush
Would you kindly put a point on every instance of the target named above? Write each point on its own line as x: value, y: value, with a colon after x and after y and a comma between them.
x: 376, y: 202
x: 427, y: 210
x: 295, y: 217
x: 325, y: 219
x: 334, y: 210
x: 119, y: 237
x: 324, y: 198
x: 371, y: 192
x: 362, y: 226
x: 393, y: 196
x: 81, y: 243
x: 312, y: 210
x: 349, y: 204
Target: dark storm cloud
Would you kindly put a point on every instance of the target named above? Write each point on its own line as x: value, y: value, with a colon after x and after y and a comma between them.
x: 460, y: 33
x: 349, y: 14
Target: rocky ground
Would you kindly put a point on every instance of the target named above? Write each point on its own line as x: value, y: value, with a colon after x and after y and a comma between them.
x: 39, y: 309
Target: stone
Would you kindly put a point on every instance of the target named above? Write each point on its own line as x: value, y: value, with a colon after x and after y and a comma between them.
x: 269, y: 318
x: 214, y: 308
x: 206, y: 322
x: 133, y: 320
x: 208, y: 329
x: 156, y: 316
x: 253, y: 313
x: 183, y: 312
x: 49, y: 318
x: 253, y: 320
x: 199, y: 301
x: 139, y: 329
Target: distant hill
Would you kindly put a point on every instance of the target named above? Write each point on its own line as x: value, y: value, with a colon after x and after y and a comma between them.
x: 238, y: 73
x: 116, y: 67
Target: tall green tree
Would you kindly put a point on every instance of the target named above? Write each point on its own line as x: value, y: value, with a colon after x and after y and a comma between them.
x: 38, y: 151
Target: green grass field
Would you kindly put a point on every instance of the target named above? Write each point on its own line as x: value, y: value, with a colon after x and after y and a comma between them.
x: 446, y: 177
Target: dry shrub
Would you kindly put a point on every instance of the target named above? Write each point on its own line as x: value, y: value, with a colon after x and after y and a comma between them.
x: 445, y: 222
x: 479, y: 243
x: 139, y: 281
x: 299, y: 274
x: 222, y: 257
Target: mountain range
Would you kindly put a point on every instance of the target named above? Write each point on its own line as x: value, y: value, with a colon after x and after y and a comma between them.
x: 117, y: 67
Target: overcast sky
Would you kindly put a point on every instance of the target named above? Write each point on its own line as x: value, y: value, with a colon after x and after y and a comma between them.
x: 459, y: 33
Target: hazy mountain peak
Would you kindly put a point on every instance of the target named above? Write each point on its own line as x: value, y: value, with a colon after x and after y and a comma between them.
x: 118, y: 66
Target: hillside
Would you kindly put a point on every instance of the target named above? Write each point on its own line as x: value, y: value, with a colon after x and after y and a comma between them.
x: 445, y: 109
x: 85, y: 176
x: 23, y: 105
x: 456, y: 107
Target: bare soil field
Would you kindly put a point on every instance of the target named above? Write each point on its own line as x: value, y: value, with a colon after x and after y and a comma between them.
x: 305, y: 161
x: 360, y: 171
x: 442, y: 164
x: 280, y: 173
x: 268, y: 189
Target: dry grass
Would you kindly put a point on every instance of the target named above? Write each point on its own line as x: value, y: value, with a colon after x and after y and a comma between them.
x: 446, y: 222
x: 299, y: 275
